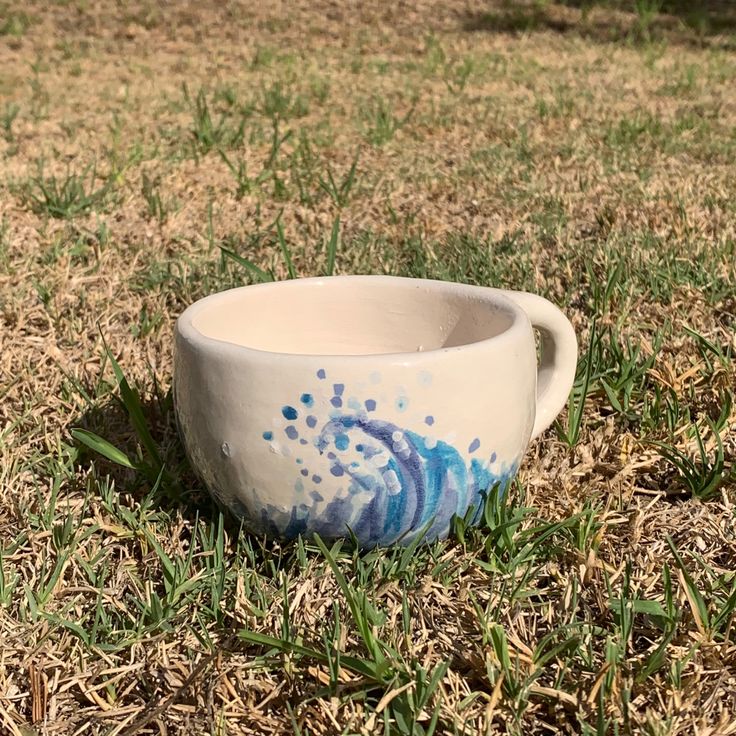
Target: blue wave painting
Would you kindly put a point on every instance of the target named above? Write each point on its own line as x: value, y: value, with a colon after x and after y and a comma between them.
x: 395, y: 483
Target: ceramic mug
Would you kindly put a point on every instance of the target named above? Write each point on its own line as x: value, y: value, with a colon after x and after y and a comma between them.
x: 376, y: 405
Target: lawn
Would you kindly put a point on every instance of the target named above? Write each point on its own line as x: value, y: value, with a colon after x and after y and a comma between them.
x: 152, y: 153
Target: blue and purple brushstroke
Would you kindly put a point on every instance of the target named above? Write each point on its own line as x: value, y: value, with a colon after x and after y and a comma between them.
x: 396, y: 483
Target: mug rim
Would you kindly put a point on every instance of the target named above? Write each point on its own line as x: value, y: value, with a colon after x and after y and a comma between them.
x: 184, y: 326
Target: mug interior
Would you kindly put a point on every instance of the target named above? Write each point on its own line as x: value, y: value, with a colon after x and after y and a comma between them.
x: 352, y: 316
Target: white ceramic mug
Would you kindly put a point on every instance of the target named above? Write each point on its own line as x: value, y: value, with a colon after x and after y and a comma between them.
x: 375, y: 404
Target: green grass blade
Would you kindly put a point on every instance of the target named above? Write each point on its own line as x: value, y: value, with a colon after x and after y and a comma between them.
x: 259, y: 273
x: 75, y: 628
x: 291, y: 647
x: 133, y: 406
x: 285, y: 249
x: 656, y: 660
x: 694, y: 596
x: 103, y: 447
x: 363, y: 613
x: 332, y: 246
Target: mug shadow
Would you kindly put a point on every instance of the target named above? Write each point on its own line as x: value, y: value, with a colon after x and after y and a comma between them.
x: 180, y: 489
x: 168, y: 484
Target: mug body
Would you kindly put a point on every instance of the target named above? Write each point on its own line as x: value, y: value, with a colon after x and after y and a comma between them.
x: 371, y: 405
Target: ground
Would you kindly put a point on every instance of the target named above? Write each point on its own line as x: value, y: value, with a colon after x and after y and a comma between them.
x: 582, y: 152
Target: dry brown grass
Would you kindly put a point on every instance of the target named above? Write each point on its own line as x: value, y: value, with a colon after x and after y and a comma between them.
x: 516, y: 157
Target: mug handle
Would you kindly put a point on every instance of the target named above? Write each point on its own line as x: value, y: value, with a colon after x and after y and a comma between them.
x: 556, y: 371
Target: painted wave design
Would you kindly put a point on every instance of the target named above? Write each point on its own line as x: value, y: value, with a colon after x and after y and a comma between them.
x: 401, y: 487
x: 387, y: 484
x: 396, y: 483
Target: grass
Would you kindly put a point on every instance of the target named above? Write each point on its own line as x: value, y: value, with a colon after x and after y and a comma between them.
x: 14, y: 23
x: 10, y: 113
x: 65, y: 196
x: 211, y: 131
x: 581, y: 151
x: 381, y: 121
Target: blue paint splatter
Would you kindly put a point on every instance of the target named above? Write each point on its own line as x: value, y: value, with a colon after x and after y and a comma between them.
x: 474, y: 445
x: 370, y: 405
x: 321, y: 373
x: 289, y: 412
x: 292, y: 432
x: 307, y: 399
x: 429, y: 420
x: 268, y: 436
